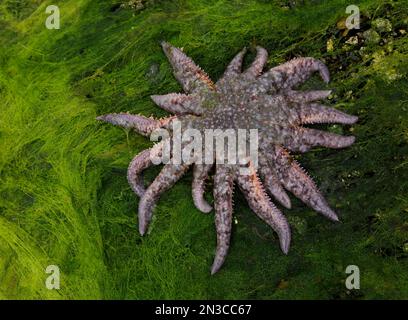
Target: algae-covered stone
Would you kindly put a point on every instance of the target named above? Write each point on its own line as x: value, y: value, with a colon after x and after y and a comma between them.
x: 371, y: 36
x: 382, y: 25
x: 134, y: 4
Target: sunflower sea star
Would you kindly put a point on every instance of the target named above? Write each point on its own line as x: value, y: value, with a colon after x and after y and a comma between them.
x: 249, y: 99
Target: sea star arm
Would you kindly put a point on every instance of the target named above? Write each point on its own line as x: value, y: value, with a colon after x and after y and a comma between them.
x: 260, y: 203
x: 302, y: 139
x: 191, y: 77
x: 307, y: 96
x: 167, y: 177
x: 140, y: 124
x: 141, y: 162
x: 273, y: 185
x: 134, y: 174
x: 223, y: 193
x: 200, y: 174
x: 316, y: 113
x: 179, y: 103
x: 258, y: 64
x: 235, y: 66
x: 297, y: 181
x: 291, y: 74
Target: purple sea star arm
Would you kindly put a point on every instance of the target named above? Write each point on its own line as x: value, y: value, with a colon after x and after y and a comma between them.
x: 140, y: 124
x: 141, y: 162
x: 169, y: 175
x: 258, y: 64
x: 223, y: 193
x: 308, y: 96
x: 200, y: 174
x: 235, y: 66
x: 191, y: 77
x: 134, y: 175
x: 260, y: 203
x: 302, y: 139
x: 290, y: 74
x: 273, y: 185
x: 179, y: 103
x: 316, y: 113
x: 297, y: 181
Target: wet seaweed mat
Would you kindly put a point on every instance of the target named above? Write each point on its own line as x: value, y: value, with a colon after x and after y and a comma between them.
x: 64, y: 198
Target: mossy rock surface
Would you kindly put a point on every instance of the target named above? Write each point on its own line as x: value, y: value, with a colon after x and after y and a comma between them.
x: 64, y: 198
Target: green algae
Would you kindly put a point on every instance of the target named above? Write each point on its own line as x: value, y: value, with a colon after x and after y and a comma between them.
x: 64, y: 199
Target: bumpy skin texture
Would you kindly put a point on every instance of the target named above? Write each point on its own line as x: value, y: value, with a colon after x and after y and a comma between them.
x: 241, y: 100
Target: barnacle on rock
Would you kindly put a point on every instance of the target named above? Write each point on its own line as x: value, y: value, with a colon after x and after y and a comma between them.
x: 241, y: 100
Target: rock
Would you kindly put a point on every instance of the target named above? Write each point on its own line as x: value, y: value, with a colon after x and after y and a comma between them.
x: 382, y: 25
x: 352, y: 40
x: 371, y: 36
x: 341, y: 24
x: 134, y: 4
x: 330, y: 45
